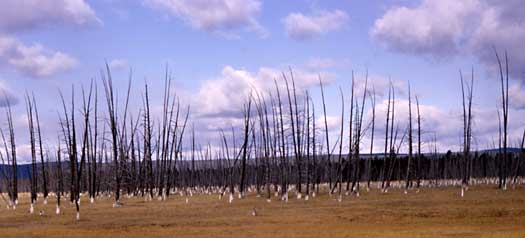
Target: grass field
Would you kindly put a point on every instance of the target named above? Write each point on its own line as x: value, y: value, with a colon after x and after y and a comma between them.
x: 483, y: 212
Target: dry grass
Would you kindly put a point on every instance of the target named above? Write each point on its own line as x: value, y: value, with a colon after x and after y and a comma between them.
x: 483, y: 212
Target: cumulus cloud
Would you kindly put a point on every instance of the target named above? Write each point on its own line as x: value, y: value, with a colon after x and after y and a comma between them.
x: 517, y: 96
x: 216, y: 16
x: 226, y: 94
x: 16, y: 16
x: 444, y: 125
x: 33, y: 60
x: 118, y: 64
x: 7, y: 97
x: 303, y: 27
x: 441, y: 29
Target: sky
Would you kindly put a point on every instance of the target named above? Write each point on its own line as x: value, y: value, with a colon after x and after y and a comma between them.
x: 217, y: 51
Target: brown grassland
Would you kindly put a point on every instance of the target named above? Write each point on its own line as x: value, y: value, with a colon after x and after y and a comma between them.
x: 437, y: 212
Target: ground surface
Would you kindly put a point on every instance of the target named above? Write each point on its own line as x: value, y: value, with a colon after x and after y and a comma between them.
x: 483, y: 212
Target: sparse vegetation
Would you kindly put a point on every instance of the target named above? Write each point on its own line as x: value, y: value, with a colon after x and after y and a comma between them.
x: 279, y: 152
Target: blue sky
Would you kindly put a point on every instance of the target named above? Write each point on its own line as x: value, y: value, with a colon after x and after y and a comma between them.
x: 213, y: 47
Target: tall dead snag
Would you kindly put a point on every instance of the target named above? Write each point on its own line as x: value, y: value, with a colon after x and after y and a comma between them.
x: 86, y: 108
x: 504, y: 79
x: 33, y: 175
x: 369, y: 160
x: 264, y: 133
x: 294, y: 123
x: 384, y: 171
x: 392, y: 141
x: 94, y: 152
x: 41, y: 153
x: 12, y: 153
x: 409, y: 162
x: 69, y: 131
x: 350, y: 135
x: 308, y: 145
x: 244, y: 147
x: 59, y: 177
x: 148, y: 161
x: 328, y: 155
x: 316, y: 176
x: 117, y: 138
x: 269, y: 148
x: 280, y: 133
x: 418, y: 171
x: 112, y: 117
x: 467, y: 129
x: 358, y: 138
x: 164, y: 140
x: 340, y: 157
x: 299, y: 154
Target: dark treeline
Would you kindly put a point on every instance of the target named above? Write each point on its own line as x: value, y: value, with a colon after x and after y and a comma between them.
x: 107, y: 148
x: 435, y: 169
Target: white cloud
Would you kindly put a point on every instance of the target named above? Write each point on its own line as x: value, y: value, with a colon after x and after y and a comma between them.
x: 225, y: 95
x: 16, y: 15
x: 7, y: 97
x: 118, y: 64
x: 440, y: 29
x: 216, y: 16
x: 33, y: 60
x: 332, y: 122
x: 517, y: 96
x: 302, y: 27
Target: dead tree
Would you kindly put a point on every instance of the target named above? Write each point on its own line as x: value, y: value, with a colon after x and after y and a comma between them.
x: 369, y: 160
x: 328, y: 155
x: 33, y: 175
x: 385, y: 158
x: 358, y: 138
x: 59, y: 177
x: 504, y: 79
x: 409, y: 161
x: 418, y: 172
x: 41, y: 152
x: 340, y: 159
x: 244, y: 147
x: 284, y: 163
x: 350, y: 136
x: 467, y: 129
x: 11, y: 155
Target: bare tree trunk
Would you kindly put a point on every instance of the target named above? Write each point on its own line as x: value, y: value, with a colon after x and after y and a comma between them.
x: 409, y: 162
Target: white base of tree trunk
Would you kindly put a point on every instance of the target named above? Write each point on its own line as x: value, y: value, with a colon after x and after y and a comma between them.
x: 58, y: 210
x: 78, y: 216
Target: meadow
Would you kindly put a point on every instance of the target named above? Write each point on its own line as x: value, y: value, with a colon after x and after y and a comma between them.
x: 484, y: 211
